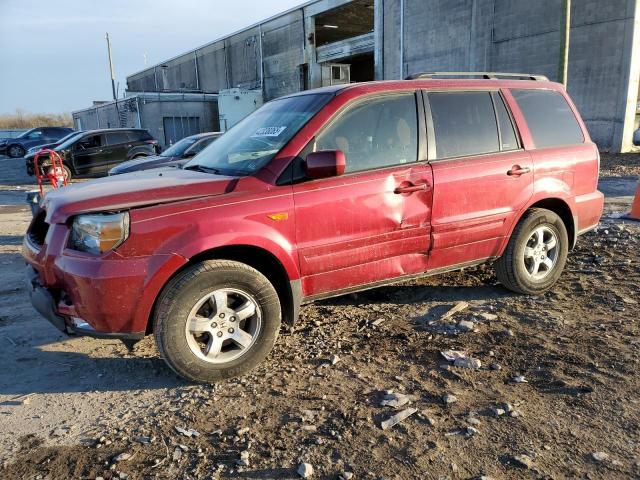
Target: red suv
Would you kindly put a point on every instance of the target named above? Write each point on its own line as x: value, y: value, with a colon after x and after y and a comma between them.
x: 314, y: 195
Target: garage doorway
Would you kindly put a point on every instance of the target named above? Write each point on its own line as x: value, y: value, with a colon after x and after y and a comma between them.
x: 176, y: 128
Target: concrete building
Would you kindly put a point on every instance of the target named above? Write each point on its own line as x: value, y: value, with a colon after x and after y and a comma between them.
x: 336, y: 41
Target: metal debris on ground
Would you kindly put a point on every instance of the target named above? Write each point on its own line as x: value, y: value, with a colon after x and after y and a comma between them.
x: 397, y: 418
x: 457, y: 308
x: 453, y: 355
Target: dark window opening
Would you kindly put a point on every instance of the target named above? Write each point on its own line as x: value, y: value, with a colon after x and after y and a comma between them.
x: 348, y: 21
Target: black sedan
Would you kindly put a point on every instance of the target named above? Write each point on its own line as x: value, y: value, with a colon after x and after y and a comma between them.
x: 175, y: 156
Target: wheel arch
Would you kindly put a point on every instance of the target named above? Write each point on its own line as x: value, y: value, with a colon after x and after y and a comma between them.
x: 563, y: 210
x: 289, y: 291
x: 15, y: 144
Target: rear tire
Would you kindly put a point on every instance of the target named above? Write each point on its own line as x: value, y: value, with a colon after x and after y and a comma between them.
x: 16, y: 151
x: 215, y: 320
x: 536, y: 253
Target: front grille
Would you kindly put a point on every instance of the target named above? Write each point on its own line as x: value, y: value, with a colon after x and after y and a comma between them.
x: 38, y: 229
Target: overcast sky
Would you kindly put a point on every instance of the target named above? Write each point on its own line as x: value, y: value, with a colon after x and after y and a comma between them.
x: 53, y: 55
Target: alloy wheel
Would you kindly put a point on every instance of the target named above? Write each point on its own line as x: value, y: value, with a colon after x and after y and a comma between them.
x: 541, y: 252
x: 223, y: 325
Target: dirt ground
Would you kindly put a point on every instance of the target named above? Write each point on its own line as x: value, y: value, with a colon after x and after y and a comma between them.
x: 557, y: 394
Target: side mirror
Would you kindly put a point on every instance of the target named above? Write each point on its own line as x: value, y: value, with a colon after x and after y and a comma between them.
x: 325, y: 164
x: 189, y: 154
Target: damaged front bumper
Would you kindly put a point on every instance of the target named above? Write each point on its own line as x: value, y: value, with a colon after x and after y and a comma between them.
x: 45, y: 304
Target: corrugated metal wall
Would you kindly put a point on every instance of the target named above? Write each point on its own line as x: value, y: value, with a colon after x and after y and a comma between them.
x: 123, y: 113
x: 236, y: 61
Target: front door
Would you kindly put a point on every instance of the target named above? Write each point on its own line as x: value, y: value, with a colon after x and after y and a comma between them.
x: 372, y: 223
x: 482, y: 176
x: 88, y: 153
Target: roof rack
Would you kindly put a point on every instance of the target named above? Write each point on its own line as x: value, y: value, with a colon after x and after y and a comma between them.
x: 487, y: 75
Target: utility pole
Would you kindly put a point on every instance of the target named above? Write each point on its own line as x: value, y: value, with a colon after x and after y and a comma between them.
x: 565, y: 33
x: 113, y: 80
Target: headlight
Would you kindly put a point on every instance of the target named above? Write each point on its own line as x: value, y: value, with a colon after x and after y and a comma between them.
x: 33, y: 150
x: 99, y: 233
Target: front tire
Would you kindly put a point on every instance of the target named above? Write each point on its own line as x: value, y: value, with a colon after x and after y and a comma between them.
x: 536, y: 253
x: 215, y: 320
x: 16, y: 151
x: 67, y: 172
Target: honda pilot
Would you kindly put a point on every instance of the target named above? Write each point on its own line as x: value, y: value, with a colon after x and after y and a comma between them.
x: 314, y: 195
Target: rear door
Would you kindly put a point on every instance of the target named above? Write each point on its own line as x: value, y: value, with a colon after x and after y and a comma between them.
x: 482, y: 175
x: 118, y: 144
x: 372, y: 223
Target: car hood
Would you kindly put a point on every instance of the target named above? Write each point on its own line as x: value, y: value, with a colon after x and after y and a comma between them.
x: 139, y: 163
x: 133, y: 190
x: 49, y: 146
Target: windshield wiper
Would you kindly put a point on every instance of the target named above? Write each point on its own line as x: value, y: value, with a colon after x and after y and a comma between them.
x: 202, y: 168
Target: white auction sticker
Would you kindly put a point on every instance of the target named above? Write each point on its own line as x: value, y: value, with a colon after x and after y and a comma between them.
x: 269, y: 131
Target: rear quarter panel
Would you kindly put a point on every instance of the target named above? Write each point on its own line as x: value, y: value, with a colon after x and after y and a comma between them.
x: 569, y: 173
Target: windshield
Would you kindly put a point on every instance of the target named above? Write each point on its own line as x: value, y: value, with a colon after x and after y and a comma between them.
x: 67, y: 137
x: 178, y: 148
x: 254, y: 141
x: 70, y: 139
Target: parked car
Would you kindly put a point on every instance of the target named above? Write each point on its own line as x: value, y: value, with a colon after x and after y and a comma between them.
x: 96, y: 151
x: 175, y: 156
x: 33, y: 150
x: 17, y: 147
x: 314, y: 195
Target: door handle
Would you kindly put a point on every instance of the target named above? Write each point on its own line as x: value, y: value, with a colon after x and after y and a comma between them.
x: 517, y: 170
x: 410, y: 188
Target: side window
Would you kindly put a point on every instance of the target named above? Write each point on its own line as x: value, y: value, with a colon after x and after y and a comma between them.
x: 549, y: 117
x: 464, y: 123
x: 36, y: 135
x: 508, y: 139
x: 374, y: 134
x: 117, y: 138
x: 201, y: 145
x: 91, y: 141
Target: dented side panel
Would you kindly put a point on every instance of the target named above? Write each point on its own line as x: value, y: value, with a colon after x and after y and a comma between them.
x: 356, y: 227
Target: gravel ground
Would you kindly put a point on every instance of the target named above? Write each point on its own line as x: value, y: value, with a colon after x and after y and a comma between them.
x: 556, y: 394
x: 620, y: 164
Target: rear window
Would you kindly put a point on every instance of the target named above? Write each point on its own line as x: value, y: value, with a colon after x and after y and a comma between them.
x: 464, y: 123
x: 117, y: 138
x: 551, y: 121
x: 139, y: 135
